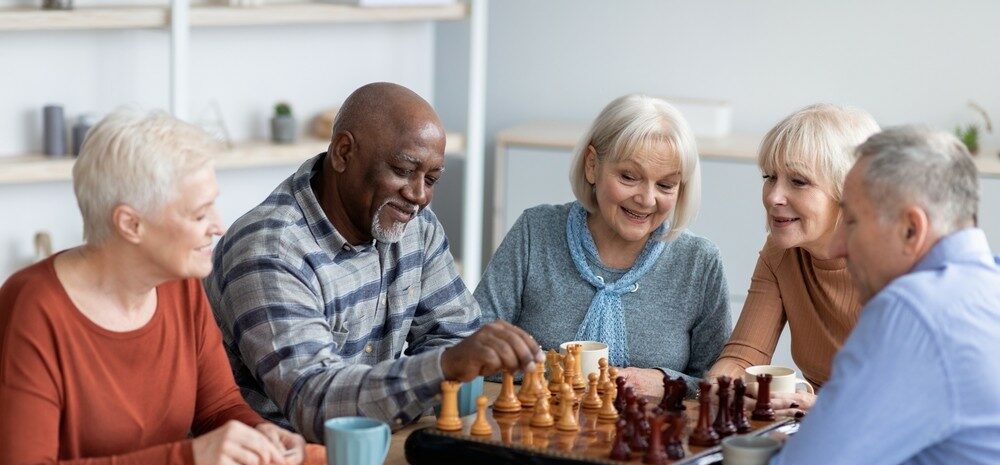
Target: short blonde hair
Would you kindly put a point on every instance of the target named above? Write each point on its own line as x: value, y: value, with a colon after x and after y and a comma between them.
x: 134, y: 159
x: 817, y: 141
x: 633, y: 123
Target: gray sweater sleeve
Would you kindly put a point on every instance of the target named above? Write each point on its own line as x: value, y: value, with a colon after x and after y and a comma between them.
x: 499, y: 291
x: 712, y: 329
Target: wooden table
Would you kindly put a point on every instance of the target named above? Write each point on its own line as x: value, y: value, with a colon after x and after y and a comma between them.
x: 397, y: 456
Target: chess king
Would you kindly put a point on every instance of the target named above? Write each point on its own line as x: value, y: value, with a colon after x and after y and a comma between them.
x: 318, y: 289
x: 916, y: 381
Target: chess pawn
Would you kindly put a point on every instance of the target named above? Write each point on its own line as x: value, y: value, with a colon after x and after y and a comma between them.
x: 579, y: 383
x: 591, y: 400
x: 603, y: 380
x: 640, y: 427
x: 567, y: 419
x: 569, y: 367
x: 541, y: 417
x: 448, y: 418
x: 703, y: 434
x: 620, y: 393
x: 675, y: 446
x: 507, y: 402
x: 763, y: 411
x: 723, y: 424
x: 608, y: 412
x: 527, y: 393
x: 541, y: 386
x: 620, y: 449
x: 481, y: 427
x: 740, y: 413
x: 555, y: 366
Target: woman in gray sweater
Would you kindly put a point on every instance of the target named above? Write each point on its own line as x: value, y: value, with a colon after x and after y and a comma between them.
x: 617, y: 265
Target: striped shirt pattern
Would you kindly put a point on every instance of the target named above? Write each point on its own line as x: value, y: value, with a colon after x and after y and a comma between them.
x: 317, y: 328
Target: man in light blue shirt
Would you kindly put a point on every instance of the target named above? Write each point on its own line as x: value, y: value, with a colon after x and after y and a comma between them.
x: 918, y: 380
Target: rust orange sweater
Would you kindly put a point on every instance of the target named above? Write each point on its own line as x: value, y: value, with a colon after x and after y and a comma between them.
x: 817, y: 299
x: 73, y: 392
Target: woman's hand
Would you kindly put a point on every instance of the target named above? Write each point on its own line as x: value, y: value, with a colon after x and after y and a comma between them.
x: 786, y: 404
x: 291, y: 445
x: 235, y: 444
x: 646, y: 381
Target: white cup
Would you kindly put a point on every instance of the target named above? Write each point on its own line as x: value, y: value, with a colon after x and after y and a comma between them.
x: 590, y: 353
x: 783, y: 379
x: 748, y: 450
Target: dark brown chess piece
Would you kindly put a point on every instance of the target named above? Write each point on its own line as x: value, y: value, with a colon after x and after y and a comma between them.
x: 620, y: 449
x: 740, y: 413
x: 673, y: 397
x: 675, y: 445
x: 620, y: 394
x: 667, y: 385
x: 723, y: 425
x: 763, y: 411
x: 703, y: 434
x: 640, y: 426
x: 643, y: 425
x: 656, y: 454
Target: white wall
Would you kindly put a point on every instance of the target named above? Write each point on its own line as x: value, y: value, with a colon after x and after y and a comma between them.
x: 245, y: 69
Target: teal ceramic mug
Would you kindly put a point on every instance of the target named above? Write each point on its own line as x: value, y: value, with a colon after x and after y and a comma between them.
x: 467, y: 395
x: 356, y: 441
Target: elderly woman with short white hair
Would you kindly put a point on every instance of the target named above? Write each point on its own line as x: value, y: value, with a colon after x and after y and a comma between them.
x: 110, y: 353
x: 804, y: 160
x: 618, y: 265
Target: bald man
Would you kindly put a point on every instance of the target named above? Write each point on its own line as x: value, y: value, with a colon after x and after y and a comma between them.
x: 338, y: 294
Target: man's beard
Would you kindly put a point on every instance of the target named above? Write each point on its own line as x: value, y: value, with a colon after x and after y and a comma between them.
x: 394, y: 232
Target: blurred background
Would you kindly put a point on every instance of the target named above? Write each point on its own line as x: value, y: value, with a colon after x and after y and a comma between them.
x: 548, y: 67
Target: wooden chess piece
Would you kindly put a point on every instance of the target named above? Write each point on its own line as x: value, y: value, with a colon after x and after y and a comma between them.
x: 579, y: 383
x: 763, y: 410
x: 703, y: 434
x: 667, y: 385
x: 723, y: 424
x: 541, y: 386
x: 591, y: 400
x: 740, y: 413
x: 608, y: 412
x: 567, y: 419
x: 643, y: 418
x: 527, y: 393
x: 620, y: 390
x: 656, y: 454
x: 448, y: 419
x: 507, y: 402
x: 603, y: 381
x: 569, y: 367
x: 481, y: 427
x: 637, y: 431
x: 555, y: 367
x: 620, y: 449
x: 542, y: 417
x: 678, y: 390
x: 675, y: 445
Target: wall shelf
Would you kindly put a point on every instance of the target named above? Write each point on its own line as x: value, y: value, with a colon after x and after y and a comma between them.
x: 32, y: 19
x: 34, y: 168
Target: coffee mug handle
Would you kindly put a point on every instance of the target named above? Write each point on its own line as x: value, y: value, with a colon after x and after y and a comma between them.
x: 388, y: 442
x: 809, y: 387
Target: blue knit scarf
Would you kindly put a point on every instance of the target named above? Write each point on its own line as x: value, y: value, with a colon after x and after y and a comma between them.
x: 605, y: 321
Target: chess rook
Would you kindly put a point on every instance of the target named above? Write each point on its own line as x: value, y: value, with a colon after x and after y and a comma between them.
x: 763, y: 411
x: 448, y: 418
x: 703, y: 434
x: 723, y: 424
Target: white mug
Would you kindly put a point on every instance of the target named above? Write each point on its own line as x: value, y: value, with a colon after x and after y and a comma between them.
x: 590, y: 353
x: 783, y: 379
x: 748, y: 450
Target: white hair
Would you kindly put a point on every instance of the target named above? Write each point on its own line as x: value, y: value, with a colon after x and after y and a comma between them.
x: 922, y: 165
x: 135, y: 159
x: 817, y: 141
x: 628, y: 125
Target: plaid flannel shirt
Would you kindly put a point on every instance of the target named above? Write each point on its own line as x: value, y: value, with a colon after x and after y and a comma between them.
x: 315, y: 327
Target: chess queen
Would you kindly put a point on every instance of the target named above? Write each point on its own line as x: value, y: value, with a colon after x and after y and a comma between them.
x: 618, y: 265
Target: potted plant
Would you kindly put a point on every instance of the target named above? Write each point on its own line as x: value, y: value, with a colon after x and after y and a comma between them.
x: 283, y: 127
x: 969, y: 135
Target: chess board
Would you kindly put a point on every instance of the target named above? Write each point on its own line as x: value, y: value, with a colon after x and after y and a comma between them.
x: 514, y: 441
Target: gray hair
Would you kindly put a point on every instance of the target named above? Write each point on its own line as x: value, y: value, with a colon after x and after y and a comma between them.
x: 632, y: 123
x: 926, y: 166
x: 134, y: 159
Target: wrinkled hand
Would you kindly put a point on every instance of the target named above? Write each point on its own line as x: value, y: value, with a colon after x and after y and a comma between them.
x: 235, y: 444
x: 786, y: 404
x: 291, y: 445
x: 497, y: 346
x: 646, y: 381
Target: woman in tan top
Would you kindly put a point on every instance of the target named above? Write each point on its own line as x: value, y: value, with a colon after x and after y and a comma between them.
x: 804, y: 160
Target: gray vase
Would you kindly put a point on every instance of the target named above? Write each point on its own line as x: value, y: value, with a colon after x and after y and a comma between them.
x: 283, y: 129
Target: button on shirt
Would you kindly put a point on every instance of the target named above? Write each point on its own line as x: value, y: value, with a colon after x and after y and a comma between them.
x: 316, y: 327
x: 918, y: 380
